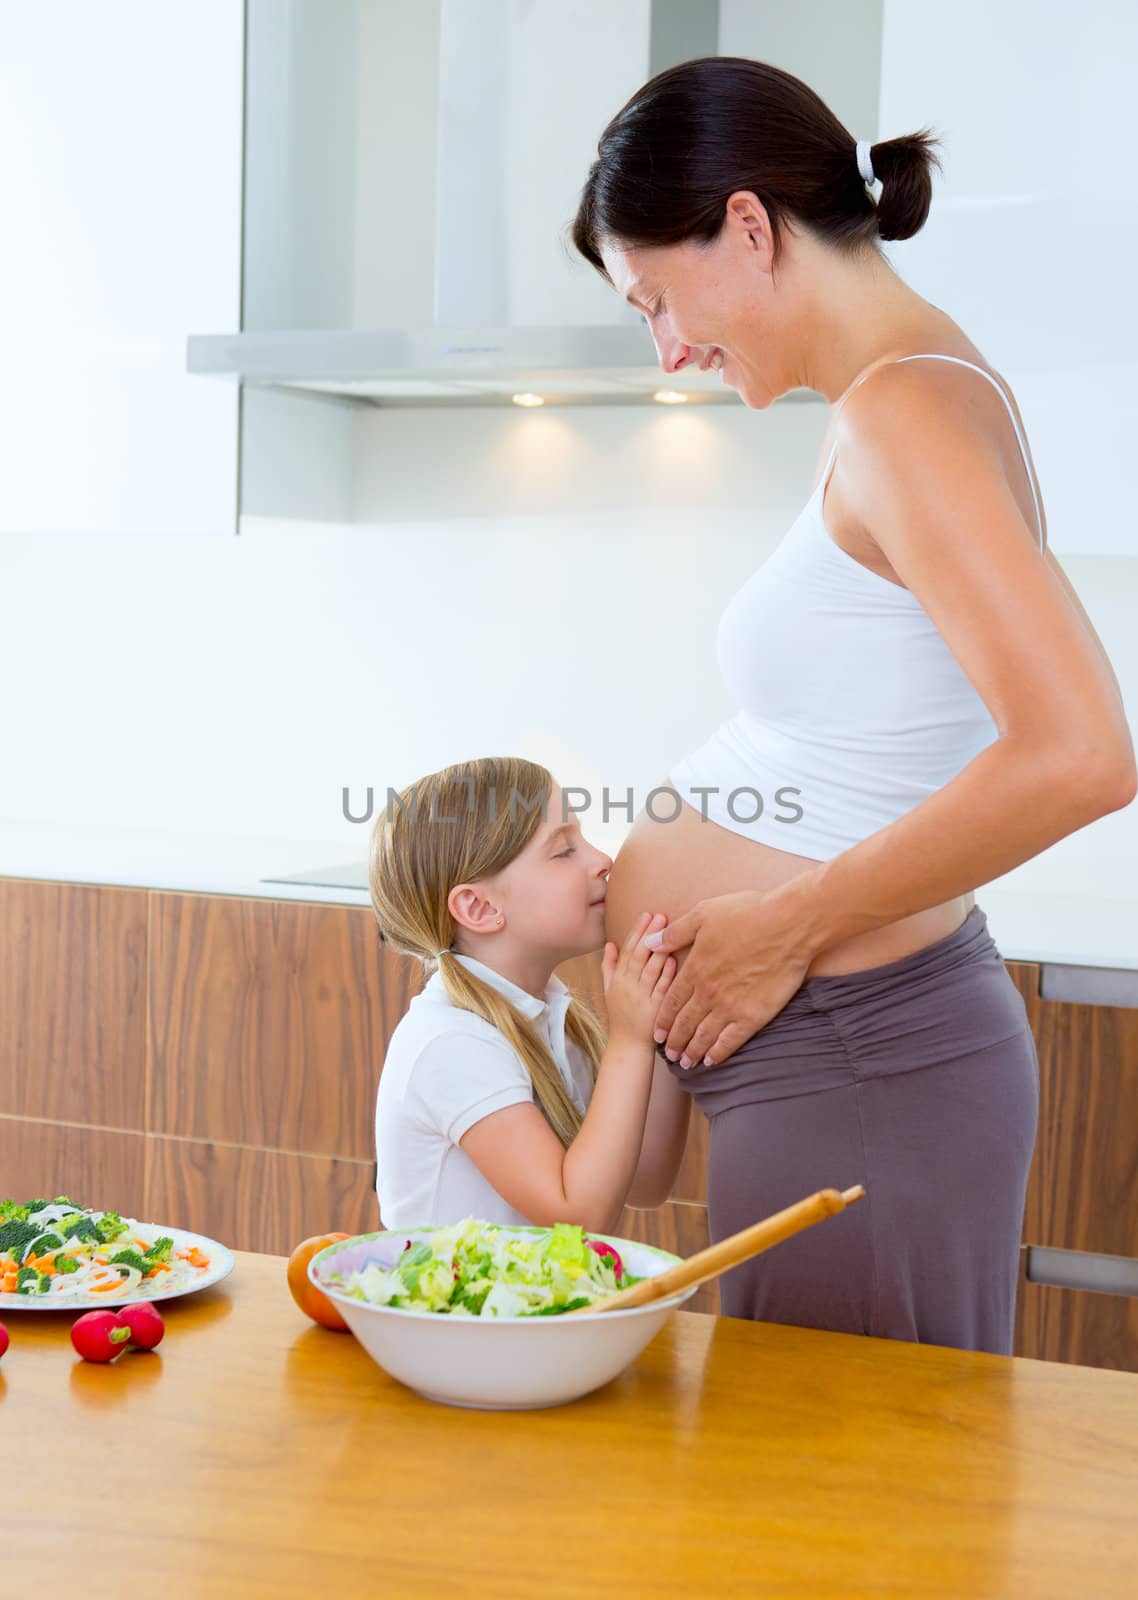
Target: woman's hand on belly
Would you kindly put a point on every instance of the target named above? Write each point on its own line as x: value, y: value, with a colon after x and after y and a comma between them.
x: 744, y: 962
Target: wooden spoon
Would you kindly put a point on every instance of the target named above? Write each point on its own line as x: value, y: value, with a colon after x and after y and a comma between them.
x: 728, y: 1252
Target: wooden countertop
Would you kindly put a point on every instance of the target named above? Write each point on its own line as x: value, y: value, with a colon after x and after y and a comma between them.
x: 254, y: 1454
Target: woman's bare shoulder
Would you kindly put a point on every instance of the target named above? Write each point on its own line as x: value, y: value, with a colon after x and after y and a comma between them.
x: 918, y: 427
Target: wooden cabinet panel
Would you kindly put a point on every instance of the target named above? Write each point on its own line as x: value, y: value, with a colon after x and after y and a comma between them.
x: 1083, y: 1189
x: 93, y: 1166
x: 269, y: 1020
x: 72, y: 1002
x: 679, y: 1228
x: 248, y: 1199
x: 257, y: 1199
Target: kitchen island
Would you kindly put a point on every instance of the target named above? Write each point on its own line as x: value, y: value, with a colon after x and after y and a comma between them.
x: 257, y: 1455
x: 214, y: 1057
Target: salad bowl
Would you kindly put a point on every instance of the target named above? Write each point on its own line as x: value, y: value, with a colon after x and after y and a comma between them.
x: 493, y: 1362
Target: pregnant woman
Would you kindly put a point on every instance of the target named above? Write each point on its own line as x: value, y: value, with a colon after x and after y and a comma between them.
x: 922, y: 705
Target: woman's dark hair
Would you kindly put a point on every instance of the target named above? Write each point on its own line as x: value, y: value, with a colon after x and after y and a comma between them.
x: 674, y: 154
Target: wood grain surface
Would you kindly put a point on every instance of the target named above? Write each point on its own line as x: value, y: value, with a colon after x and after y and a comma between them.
x: 256, y: 1456
x: 1082, y: 1192
x: 269, y: 1020
x: 212, y: 1061
x: 73, y: 1002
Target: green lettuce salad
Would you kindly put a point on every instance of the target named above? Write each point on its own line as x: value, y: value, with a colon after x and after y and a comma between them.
x: 482, y: 1269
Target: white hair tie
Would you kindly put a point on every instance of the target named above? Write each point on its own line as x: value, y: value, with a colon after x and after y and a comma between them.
x: 864, y: 164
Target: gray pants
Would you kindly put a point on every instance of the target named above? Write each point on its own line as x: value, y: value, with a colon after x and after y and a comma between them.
x: 918, y: 1079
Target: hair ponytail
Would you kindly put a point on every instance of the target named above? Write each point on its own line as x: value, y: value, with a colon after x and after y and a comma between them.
x: 904, y: 167
x: 467, y: 991
x: 693, y: 135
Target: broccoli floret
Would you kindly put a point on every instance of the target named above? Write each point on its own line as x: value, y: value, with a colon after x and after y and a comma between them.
x: 36, y: 1205
x: 80, y: 1227
x: 128, y: 1258
x: 16, y: 1236
x: 66, y: 1264
x: 27, y: 1281
x: 13, y: 1211
x: 159, y: 1250
x: 66, y: 1200
x: 45, y: 1241
x: 110, y: 1225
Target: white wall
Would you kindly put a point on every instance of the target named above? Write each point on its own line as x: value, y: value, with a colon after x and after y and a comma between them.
x: 543, y: 583
x: 234, y: 687
x: 120, y: 128
x: 1033, y: 233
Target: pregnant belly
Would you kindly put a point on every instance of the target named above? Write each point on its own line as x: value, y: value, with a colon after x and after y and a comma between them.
x: 668, y: 866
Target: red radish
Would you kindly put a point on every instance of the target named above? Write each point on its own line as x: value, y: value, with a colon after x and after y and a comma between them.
x: 99, y: 1335
x: 604, y: 1249
x: 146, y: 1326
x: 3, y: 1338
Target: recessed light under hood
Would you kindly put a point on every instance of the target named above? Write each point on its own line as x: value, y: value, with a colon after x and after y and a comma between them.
x: 460, y: 225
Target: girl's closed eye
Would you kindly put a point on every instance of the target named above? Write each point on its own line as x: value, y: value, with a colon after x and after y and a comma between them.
x: 568, y: 852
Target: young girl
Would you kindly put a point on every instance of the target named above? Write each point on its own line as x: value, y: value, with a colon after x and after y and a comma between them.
x: 500, y: 1097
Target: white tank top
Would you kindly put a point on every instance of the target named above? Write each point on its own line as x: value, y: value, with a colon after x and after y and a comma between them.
x: 851, y: 707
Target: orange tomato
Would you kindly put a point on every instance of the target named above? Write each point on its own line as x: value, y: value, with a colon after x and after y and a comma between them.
x: 308, y: 1297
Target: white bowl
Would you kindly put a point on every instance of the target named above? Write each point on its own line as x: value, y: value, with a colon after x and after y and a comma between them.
x: 495, y: 1363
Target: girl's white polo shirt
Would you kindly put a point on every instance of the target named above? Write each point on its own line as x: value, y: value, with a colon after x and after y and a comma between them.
x: 445, y: 1070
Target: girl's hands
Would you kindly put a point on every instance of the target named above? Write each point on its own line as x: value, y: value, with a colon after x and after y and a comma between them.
x: 636, y: 981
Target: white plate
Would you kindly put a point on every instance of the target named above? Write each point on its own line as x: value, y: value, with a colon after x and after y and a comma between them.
x: 220, y: 1266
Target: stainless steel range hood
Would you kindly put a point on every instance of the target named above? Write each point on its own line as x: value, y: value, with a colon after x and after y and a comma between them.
x: 410, y: 174
x: 437, y: 366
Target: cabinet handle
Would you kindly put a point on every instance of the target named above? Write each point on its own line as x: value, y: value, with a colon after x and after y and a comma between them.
x: 1081, y: 1269
x: 1089, y: 986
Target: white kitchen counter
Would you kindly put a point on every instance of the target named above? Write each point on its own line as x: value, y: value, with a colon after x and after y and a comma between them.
x: 1074, y: 930
x: 198, y: 863
x: 1077, y: 930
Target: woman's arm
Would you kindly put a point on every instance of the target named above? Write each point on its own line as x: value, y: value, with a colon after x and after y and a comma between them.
x: 924, y: 480
x: 927, y: 485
